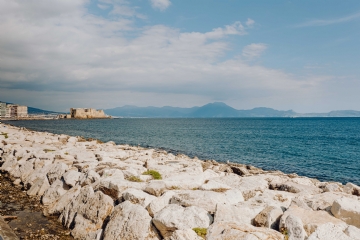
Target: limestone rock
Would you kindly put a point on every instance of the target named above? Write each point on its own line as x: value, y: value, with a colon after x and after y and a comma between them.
x: 136, y: 196
x: 332, y: 187
x: 54, y: 192
x: 239, y: 213
x: 212, y: 185
x: 329, y: 231
x: 39, y: 187
x: 353, y: 189
x: 186, y: 234
x: 174, y: 217
x: 159, y: 203
x: 269, y: 218
x: 56, y: 171
x: 204, y: 199
x: 310, y: 219
x: 294, y: 228
x: 130, y: 221
x: 297, y: 188
x: 87, y: 212
x: 59, y: 206
x: 156, y: 188
x: 71, y: 177
x: 90, y: 177
x: 353, y: 232
x: 230, y: 230
x: 348, y: 210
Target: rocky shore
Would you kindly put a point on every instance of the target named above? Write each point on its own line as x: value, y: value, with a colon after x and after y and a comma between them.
x: 108, y: 191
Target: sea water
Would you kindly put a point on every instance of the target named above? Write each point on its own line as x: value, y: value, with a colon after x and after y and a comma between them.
x: 324, y: 148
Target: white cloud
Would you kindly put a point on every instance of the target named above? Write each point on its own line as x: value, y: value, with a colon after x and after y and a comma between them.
x: 160, y: 4
x: 325, y: 22
x: 254, y: 50
x: 103, y: 7
x: 72, y: 58
x: 250, y: 22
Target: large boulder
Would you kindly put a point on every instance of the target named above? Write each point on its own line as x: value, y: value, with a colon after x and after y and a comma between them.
x: 39, y: 187
x: 331, y: 231
x: 174, y: 217
x: 269, y: 217
x: 238, y: 213
x: 231, y: 230
x: 130, y: 221
x: 71, y: 177
x: 348, y: 210
x: 206, y: 199
x: 294, y: 228
x: 56, y: 171
x: 310, y: 219
x: 87, y: 212
x: 159, y: 203
x: 54, y: 192
x: 136, y: 196
x: 59, y: 206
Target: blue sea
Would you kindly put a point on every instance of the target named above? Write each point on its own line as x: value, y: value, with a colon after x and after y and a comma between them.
x: 324, y: 148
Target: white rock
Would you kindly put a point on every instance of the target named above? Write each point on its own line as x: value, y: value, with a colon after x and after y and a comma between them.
x: 174, y: 217
x: 54, y: 192
x: 59, y: 206
x: 294, y: 228
x: 187, y: 234
x: 353, y: 189
x: 71, y: 177
x: 159, y: 203
x: 299, y: 188
x: 310, y: 219
x: 87, y: 212
x: 348, y: 210
x: 332, y: 187
x: 39, y: 187
x: 130, y: 221
x: 156, y: 187
x: 136, y: 196
x: 329, y: 231
x: 353, y: 232
x: 56, y: 171
x: 204, y: 199
x: 269, y: 218
x: 239, y: 213
x: 230, y: 230
x: 89, y: 178
x: 213, y: 185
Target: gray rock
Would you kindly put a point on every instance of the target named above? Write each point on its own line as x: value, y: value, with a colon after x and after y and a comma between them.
x: 71, y: 177
x: 56, y: 171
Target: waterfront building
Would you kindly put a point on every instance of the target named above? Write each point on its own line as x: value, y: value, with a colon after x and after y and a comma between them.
x: 16, y: 111
x: 2, y: 109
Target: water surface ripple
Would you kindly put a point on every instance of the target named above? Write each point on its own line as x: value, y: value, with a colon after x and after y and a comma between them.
x: 324, y: 148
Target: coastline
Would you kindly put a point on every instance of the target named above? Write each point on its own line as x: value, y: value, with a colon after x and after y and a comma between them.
x: 67, y: 171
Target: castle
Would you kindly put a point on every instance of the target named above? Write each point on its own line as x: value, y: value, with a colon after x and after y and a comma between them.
x: 84, y: 113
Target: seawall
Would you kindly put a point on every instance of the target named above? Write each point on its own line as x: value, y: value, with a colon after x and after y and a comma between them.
x: 108, y: 191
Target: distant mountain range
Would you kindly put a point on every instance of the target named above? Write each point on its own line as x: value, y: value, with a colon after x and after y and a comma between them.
x: 215, y: 110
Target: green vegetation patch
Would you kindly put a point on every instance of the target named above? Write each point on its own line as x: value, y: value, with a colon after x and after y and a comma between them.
x: 155, y: 174
x: 5, y: 135
x: 200, y: 232
x: 48, y: 150
x: 134, y: 179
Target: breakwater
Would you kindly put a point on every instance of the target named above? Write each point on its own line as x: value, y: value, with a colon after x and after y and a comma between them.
x: 108, y: 191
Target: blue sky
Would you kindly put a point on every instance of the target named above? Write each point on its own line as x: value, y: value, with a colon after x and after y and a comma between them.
x: 300, y: 55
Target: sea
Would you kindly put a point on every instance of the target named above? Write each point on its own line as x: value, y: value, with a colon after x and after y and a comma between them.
x: 324, y: 148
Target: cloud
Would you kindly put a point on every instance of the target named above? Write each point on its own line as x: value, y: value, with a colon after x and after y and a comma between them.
x: 325, y: 22
x: 73, y: 58
x: 250, y: 22
x: 254, y: 50
x: 160, y: 4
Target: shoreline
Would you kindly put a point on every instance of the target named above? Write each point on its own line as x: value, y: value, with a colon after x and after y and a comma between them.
x: 119, y: 180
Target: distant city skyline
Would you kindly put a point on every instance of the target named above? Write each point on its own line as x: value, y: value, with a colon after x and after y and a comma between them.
x: 299, y: 55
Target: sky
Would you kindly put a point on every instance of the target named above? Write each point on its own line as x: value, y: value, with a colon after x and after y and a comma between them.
x: 299, y: 55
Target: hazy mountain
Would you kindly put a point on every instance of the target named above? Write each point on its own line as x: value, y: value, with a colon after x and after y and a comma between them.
x: 211, y: 110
